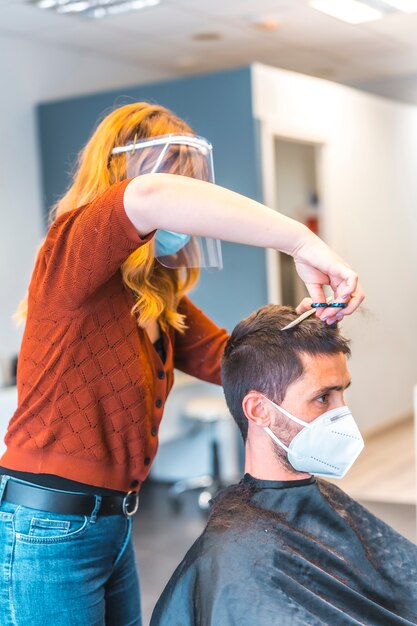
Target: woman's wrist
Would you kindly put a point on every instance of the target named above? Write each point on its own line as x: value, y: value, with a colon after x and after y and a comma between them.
x: 312, y: 250
x: 299, y: 238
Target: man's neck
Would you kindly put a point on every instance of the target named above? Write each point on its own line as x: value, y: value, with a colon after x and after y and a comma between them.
x: 261, y: 460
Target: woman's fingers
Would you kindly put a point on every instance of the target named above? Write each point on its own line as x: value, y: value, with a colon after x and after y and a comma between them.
x: 351, y: 283
x: 317, y: 294
x: 331, y: 314
x: 342, y: 294
x: 305, y: 305
x: 349, y: 291
x: 354, y: 301
x: 344, y: 282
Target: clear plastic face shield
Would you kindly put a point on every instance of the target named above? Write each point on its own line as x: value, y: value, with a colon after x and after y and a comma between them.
x: 186, y: 155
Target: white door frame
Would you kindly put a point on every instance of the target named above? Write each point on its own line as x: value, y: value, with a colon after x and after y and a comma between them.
x: 268, y: 135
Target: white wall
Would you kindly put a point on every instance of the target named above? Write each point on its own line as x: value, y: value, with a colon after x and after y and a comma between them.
x: 369, y: 195
x: 31, y: 73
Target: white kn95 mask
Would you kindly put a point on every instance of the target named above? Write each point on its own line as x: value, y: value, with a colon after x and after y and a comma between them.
x: 328, y: 446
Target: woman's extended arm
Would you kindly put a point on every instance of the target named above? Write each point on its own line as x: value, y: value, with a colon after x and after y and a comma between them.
x: 183, y: 204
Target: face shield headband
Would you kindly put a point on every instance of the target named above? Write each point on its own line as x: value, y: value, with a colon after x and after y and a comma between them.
x: 186, y: 155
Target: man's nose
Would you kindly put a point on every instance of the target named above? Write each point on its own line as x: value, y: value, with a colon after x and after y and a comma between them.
x: 339, y: 401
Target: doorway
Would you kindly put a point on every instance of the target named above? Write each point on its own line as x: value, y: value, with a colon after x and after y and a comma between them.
x: 297, y: 195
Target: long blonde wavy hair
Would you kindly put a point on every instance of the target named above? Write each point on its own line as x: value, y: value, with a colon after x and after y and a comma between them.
x: 158, y: 290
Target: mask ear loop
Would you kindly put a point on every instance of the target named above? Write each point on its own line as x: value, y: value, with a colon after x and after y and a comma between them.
x: 288, y: 414
x: 291, y: 417
x: 275, y: 438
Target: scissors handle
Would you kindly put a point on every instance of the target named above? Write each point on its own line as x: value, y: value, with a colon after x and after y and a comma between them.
x: 333, y: 305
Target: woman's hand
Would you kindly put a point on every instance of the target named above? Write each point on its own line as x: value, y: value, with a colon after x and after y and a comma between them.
x: 317, y: 266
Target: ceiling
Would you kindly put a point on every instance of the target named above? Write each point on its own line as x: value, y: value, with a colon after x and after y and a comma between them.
x: 163, y: 37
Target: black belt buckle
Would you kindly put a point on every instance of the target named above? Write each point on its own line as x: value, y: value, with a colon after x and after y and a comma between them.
x: 130, y: 503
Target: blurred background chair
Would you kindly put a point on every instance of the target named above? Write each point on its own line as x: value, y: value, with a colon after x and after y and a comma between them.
x: 198, y: 442
x: 207, y: 412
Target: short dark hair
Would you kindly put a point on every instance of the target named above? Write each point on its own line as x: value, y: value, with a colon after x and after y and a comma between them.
x: 259, y: 356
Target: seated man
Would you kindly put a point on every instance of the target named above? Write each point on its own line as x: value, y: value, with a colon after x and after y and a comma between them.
x: 281, y: 547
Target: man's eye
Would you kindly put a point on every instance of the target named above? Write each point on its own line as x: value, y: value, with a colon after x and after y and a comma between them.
x: 323, y: 399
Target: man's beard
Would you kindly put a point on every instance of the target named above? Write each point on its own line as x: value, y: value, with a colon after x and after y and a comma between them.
x: 285, y: 434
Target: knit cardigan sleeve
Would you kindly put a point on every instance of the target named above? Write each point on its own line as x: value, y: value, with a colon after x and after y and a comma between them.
x: 83, y: 249
x: 199, y: 350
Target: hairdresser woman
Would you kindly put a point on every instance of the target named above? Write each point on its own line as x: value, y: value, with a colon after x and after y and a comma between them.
x: 107, y: 321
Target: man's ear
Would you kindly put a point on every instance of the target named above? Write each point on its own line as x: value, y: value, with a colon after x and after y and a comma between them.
x: 257, y: 409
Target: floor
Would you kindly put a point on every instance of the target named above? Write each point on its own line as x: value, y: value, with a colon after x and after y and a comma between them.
x: 162, y: 536
x: 385, y: 470
x: 383, y: 479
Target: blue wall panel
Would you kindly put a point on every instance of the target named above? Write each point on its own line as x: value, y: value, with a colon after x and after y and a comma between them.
x: 217, y: 106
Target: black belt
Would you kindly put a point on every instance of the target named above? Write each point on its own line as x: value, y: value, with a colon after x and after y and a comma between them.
x: 46, y: 499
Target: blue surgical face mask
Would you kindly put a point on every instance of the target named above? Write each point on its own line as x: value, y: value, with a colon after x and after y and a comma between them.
x: 167, y: 242
x: 328, y: 446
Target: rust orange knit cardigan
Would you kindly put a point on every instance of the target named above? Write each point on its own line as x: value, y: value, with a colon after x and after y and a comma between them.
x: 91, y: 386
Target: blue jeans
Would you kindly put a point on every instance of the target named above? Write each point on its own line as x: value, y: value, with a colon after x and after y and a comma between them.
x: 66, y: 570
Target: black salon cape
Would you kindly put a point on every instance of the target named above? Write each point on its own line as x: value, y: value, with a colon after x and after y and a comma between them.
x: 293, y: 554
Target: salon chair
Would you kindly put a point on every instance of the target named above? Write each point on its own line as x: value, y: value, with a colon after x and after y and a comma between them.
x: 207, y: 412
